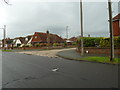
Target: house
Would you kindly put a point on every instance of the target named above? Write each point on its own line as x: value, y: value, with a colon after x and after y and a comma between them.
x: 28, y: 39
x: 73, y: 39
x: 40, y: 37
x: 0, y: 43
x: 19, y: 41
x: 7, y: 43
x: 116, y: 23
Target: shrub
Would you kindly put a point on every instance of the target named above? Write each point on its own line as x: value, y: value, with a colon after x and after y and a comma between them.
x: 43, y: 44
x: 98, y: 42
x: 117, y: 42
x: 56, y: 44
x: 74, y: 43
x: 37, y: 45
x: 105, y: 42
x: 89, y: 41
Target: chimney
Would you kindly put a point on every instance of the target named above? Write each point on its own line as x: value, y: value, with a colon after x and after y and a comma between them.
x: 47, y: 32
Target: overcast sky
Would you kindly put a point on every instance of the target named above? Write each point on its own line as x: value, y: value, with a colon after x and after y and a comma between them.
x: 25, y: 18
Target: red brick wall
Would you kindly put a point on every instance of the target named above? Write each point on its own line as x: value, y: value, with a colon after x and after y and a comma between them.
x: 100, y: 50
x: 116, y: 28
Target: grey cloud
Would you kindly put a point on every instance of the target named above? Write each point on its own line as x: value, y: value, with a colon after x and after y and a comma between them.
x: 26, y: 18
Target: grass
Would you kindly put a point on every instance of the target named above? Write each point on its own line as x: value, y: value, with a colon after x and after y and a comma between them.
x: 101, y: 59
x: 6, y: 50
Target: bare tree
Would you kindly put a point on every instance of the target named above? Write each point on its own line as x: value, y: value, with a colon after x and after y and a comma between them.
x: 7, y: 2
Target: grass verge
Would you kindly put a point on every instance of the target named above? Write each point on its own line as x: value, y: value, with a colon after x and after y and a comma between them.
x: 6, y: 50
x: 101, y: 59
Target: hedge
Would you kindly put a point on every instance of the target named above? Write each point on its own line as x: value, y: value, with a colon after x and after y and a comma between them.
x: 98, y: 42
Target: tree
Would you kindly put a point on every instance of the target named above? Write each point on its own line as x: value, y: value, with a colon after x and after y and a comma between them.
x: 7, y: 2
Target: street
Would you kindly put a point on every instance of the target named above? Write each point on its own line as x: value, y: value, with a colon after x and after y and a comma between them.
x: 30, y: 71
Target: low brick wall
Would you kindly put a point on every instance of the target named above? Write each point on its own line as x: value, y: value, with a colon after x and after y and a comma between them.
x: 93, y: 50
x: 30, y: 48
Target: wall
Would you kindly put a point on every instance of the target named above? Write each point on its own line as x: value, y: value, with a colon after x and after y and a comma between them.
x: 116, y: 28
x: 99, y: 50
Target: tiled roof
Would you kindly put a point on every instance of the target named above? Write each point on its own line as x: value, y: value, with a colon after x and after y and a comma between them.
x: 73, y: 39
x: 53, y: 37
x: 117, y: 17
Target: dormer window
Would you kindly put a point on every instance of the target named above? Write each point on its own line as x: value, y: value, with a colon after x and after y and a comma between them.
x: 35, y: 37
x: 26, y: 39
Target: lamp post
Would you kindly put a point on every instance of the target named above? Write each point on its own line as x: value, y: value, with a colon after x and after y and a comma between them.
x: 111, y: 32
x: 4, y: 35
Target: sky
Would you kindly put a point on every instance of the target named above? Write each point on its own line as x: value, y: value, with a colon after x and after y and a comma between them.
x: 24, y: 17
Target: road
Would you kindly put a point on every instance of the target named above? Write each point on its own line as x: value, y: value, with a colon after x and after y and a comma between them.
x: 30, y: 71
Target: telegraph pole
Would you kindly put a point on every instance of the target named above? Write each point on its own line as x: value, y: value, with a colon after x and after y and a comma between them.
x: 4, y: 36
x: 4, y: 30
x: 67, y: 32
x: 111, y: 32
x: 81, y: 12
x: 48, y: 38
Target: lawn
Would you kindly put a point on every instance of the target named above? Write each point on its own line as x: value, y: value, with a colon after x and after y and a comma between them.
x: 101, y: 59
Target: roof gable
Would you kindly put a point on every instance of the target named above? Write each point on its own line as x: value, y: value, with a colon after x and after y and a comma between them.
x: 117, y: 17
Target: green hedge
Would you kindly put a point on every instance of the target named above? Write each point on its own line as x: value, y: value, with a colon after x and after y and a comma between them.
x: 90, y: 41
x: 98, y: 42
x: 56, y: 44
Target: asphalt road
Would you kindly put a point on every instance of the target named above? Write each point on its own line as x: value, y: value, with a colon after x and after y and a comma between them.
x: 28, y: 71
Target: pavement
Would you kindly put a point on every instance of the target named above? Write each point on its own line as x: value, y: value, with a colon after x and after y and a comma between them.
x: 31, y: 71
x: 74, y: 55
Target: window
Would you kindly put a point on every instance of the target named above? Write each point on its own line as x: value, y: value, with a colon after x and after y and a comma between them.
x: 35, y: 37
x: 26, y: 39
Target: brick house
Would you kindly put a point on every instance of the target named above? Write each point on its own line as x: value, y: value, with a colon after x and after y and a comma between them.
x: 116, y: 25
x: 8, y: 43
x: 40, y: 37
x: 74, y: 39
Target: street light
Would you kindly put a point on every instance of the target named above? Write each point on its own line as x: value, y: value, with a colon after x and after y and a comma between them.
x: 4, y: 35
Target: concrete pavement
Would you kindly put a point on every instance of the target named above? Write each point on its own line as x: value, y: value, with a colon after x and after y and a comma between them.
x: 74, y: 55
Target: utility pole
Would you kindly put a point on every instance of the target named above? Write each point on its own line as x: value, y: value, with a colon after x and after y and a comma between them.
x: 81, y: 13
x: 66, y: 32
x: 111, y: 32
x: 4, y: 30
x: 48, y: 39
x: 4, y: 35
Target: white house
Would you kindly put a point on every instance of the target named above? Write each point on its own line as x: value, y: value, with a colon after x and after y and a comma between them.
x: 19, y: 41
x: 0, y: 43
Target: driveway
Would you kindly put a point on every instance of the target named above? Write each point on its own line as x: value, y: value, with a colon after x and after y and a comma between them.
x: 47, y: 53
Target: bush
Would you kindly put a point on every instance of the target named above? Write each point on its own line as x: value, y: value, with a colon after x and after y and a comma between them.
x: 43, y: 44
x: 37, y: 45
x: 56, y: 44
x: 89, y: 41
x: 117, y: 42
x: 105, y: 42
x: 74, y: 43
x: 98, y: 42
